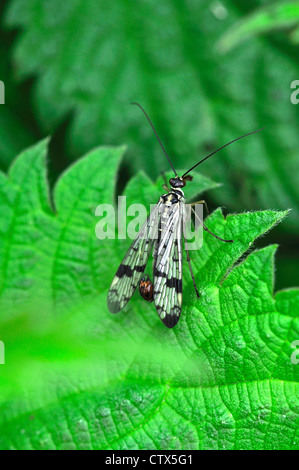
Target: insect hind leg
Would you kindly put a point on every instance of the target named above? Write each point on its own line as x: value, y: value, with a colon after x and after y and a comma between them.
x: 191, y: 272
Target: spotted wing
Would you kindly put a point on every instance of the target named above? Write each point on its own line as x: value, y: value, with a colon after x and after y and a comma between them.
x: 168, y: 266
x: 130, y: 271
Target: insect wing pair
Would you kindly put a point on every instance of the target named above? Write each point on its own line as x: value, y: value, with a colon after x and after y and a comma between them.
x: 162, y: 233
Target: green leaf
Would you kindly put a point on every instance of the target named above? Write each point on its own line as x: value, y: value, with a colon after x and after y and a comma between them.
x: 92, y: 59
x: 36, y: 244
x: 77, y: 377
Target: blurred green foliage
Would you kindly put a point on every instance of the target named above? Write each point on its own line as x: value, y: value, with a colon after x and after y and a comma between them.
x: 206, y: 72
x: 271, y: 17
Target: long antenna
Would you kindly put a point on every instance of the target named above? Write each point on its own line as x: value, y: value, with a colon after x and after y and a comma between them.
x: 152, y: 126
x: 215, y: 151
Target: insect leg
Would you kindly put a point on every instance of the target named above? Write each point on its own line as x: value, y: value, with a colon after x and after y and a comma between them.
x: 165, y: 185
x: 201, y: 202
x: 207, y: 230
x: 191, y: 272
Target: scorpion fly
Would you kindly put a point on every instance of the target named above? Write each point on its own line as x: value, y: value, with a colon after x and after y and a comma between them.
x: 162, y: 232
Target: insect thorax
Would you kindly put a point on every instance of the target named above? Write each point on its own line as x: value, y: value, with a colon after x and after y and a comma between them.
x: 173, y: 197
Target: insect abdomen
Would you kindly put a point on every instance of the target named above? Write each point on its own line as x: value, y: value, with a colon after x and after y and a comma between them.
x: 146, y: 289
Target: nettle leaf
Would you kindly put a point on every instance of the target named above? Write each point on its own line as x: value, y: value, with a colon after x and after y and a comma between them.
x: 50, y: 254
x: 97, y: 57
x: 77, y: 377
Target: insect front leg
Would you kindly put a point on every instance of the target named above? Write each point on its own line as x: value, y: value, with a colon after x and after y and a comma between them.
x: 165, y: 185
